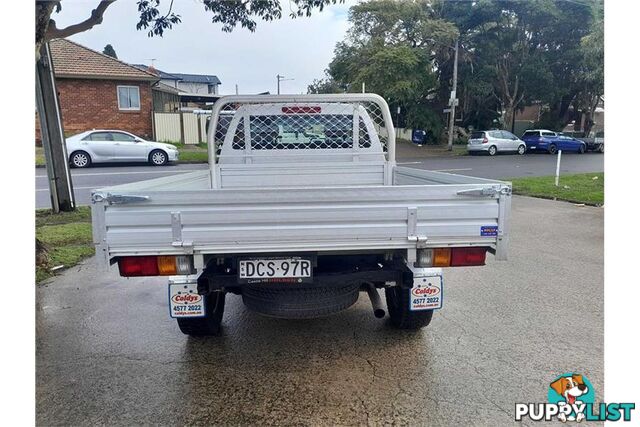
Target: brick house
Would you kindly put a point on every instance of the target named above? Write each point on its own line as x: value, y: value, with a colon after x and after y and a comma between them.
x: 97, y: 91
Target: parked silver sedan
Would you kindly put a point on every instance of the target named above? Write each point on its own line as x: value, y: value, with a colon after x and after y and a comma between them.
x: 495, y: 141
x: 102, y: 146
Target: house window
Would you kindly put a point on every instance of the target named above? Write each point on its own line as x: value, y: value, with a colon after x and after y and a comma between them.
x: 128, y: 97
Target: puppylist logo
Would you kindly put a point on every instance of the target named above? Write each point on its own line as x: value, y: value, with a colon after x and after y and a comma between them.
x: 571, y: 398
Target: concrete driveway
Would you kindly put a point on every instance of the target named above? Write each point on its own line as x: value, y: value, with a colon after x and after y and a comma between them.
x: 108, y: 353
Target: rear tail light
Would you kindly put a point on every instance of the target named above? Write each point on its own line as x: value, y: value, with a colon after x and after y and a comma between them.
x: 467, y: 256
x: 425, y: 258
x: 451, y: 257
x: 133, y: 266
x: 485, y: 140
x: 442, y: 257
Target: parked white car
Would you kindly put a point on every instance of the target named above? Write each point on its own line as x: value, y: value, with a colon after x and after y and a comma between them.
x: 495, y: 141
x: 102, y: 146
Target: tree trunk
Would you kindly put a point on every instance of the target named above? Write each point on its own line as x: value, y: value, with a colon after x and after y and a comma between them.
x: 588, y: 123
x: 509, y: 114
x: 43, y: 14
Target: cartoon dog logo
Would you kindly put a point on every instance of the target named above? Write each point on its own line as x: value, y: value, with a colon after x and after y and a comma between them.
x: 570, y: 388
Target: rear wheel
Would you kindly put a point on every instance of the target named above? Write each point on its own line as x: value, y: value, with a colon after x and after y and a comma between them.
x: 80, y: 159
x: 208, y: 325
x: 493, y: 150
x: 522, y: 149
x: 553, y: 149
x: 400, y: 313
x: 601, y: 148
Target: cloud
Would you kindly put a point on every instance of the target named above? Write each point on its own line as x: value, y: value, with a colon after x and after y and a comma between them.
x: 298, y: 48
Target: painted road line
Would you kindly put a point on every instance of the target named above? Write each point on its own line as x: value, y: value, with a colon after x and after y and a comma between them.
x: 124, y: 173
x: 74, y: 188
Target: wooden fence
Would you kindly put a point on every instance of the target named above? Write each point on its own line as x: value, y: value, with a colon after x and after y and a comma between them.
x: 186, y: 128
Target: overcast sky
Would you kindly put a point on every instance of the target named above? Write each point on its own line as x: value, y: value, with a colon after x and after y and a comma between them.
x: 300, y: 48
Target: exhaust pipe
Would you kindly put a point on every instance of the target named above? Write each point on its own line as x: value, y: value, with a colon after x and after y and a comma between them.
x: 376, y: 303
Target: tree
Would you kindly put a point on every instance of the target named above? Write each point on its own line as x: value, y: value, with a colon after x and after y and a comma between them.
x: 109, y: 50
x: 325, y: 85
x: 535, y: 44
x: 392, y: 47
x: 156, y: 21
x: 592, y: 72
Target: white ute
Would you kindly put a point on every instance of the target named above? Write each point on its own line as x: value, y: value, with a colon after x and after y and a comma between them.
x: 302, y: 207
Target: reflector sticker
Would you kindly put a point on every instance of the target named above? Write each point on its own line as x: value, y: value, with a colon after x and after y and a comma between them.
x: 426, y: 293
x: 184, y: 300
x: 489, y: 230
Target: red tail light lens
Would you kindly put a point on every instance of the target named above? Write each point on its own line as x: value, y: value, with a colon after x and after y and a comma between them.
x: 131, y: 266
x: 485, y: 140
x: 138, y: 266
x: 461, y: 257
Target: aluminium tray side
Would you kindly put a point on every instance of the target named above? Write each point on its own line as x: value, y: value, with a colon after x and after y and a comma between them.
x: 296, y: 219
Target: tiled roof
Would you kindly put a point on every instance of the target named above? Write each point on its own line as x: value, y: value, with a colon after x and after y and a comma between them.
x: 73, y: 60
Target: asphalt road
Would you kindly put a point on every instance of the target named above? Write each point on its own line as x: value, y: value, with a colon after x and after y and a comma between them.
x: 108, y: 353
x: 501, y: 166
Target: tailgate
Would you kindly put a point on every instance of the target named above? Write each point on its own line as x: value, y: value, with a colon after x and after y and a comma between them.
x: 421, y: 209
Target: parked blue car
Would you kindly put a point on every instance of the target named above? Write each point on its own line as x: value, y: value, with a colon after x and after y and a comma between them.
x: 551, y: 142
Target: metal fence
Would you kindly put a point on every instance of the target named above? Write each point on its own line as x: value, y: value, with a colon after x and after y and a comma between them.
x: 183, y: 127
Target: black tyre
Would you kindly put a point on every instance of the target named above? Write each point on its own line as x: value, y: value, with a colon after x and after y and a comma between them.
x: 158, y: 158
x: 522, y: 149
x: 80, y: 159
x: 582, y: 149
x: 553, y: 149
x: 399, y: 312
x: 601, y: 148
x: 286, y: 302
x: 492, y: 150
x: 209, y: 325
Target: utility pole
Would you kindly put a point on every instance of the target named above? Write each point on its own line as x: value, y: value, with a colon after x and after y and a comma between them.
x: 453, y: 101
x: 281, y: 79
x: 53, y: 142
x: 363, y: 87
x: 236, y: 89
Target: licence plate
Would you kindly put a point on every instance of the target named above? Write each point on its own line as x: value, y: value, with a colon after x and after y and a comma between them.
x: 426, y: 293
x: 184, y: 300
x: 266, y: 270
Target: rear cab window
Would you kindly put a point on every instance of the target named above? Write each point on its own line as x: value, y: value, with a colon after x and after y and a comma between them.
x: 303, y: 131
x: 476, y: 135
x: 531, y: 133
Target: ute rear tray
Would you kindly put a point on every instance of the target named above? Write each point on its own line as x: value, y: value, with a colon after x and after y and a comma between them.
x: 182, y: 214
